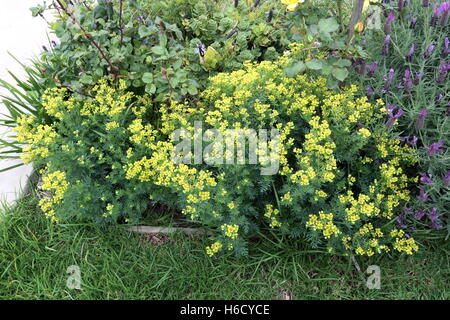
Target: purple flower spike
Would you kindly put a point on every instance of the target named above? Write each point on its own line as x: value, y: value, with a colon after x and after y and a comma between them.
x: 369, y: 92
x: 429, y: 51
x: 425, y: 3
x: 412, y: 142
x: 413, y: 23
x: 393, y: 118
x: 401, y: 221
x: 446, y: 179
x: 423, y: 196
x: 439, y: 99
x: 435, y: 148
x: 372, y: 69
x: 444, y: 8
x: 401, y: 5
x: 442, y: 73
x: 432, y: 215
x: 360, y: 66
x: 385, y: 48
x: 435, y: 18
x: 388, y: 79
x: 446, y: 49
x: 426, y: 178
x: 418, y: 77
x: 421, y: 118
x: 419, y: 214
x: 387, y: 25
x: 410, y: 53
x: 407, y: 82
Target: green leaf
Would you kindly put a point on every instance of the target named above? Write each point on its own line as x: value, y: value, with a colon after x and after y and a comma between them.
x: 158, y: 50
x: 150, y: 88
x: 342, y: 63
x: 147, y: 77
x: 147, y: 31
x: 328, y: 25
x: 192, y: 90
x: 314, y: 64
x: 295, y: 69
x: 340, y: 73
x: 327, y: 69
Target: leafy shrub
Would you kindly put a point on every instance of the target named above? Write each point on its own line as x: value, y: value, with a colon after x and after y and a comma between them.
x: 104, y: 159
x: 83, y: 154
x: 408, y: 70
x: 170, y: 58
x: 333, y: 187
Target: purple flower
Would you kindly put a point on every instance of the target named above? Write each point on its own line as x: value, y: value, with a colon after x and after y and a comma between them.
x: 423, y: 196
x: 412, y: 142
x: 425, y: 3
x: 369, y: 92
x: 446, y: 179
x: 435, y: 148
x: 388, y: 79
x: 394, y: 117
x: 446, y: 49
x: 425, y: 178
x: 436, y: 225
x: 385, y: 48
x: 419, y: 214
x: 439, y: 99
x: 401, y: 221
x: 442, y: 73
x: 270, y: 15
x: 407, y: 82
x: 401, y: 5
x: 432, y: 215
x: 429, y: 51
x: 421, y: 118
x: 410, y: 53
x: 372, y: 69
x: 200, y: 49
x: 387, y: 25
x: 435, y: 18
x: 413, y: 23
x: 360, y: 66
x: 417, y: 78
x: 445, y: 9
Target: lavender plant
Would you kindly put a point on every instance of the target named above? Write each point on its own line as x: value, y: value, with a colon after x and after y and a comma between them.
x: 409, y: 64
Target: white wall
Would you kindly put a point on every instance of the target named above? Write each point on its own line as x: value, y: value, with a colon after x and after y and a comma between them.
x: 23, y: 36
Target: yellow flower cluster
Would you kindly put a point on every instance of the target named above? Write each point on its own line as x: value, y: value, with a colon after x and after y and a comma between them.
x: 231, y: 231
x: 214, y: 248
x: 402, y: 243
x: 323, y: 222
x: 272, y: 214
x: 54, y: 182
x: 38, y: 138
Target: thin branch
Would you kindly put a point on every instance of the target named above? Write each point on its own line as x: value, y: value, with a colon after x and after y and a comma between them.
x: 88, y: 36
x: 120, y: 21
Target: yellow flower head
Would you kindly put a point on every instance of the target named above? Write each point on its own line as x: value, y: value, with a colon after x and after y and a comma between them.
x: 291, y: 4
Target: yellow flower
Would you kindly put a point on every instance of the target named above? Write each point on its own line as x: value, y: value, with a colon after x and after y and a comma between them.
x: 291, y: 4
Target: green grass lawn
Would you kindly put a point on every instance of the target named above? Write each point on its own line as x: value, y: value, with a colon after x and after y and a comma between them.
x: 114, y: 264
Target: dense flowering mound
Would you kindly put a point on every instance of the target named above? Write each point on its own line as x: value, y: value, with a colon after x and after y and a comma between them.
x: 339, y: 179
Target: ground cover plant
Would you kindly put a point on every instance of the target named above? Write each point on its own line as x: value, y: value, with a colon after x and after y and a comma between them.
x: 115, y: 264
